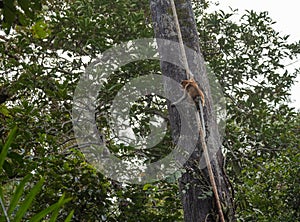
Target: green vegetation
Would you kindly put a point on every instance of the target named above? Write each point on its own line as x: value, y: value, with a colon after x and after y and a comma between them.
x: 44, y: 174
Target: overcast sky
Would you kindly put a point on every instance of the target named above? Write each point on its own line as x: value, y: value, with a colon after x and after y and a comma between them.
x: 285, y: 13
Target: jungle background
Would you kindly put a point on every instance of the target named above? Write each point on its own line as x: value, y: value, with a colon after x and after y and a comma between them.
x: 46, y: 45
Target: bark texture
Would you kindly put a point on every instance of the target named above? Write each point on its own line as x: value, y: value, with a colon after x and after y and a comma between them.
x: 197, y: 198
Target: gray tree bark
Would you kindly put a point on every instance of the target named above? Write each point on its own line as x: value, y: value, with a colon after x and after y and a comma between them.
x: 197, y: 199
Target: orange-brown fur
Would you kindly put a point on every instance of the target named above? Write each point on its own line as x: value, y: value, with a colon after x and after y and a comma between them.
x: 193, y: 89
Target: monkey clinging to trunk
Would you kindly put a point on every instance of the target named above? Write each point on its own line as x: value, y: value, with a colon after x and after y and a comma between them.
x: 191, y: 88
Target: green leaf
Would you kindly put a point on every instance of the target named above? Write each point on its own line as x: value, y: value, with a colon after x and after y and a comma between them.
x: 36, y: 5
x: 28, y: 200
x: 24, y: 4
x: 1, y: 193
x: 61, y: 202
x: 7, y: 167
x: 40, y: 30
x: 4, y: 111
x: 9, y: 14
x: 6, y: 146
x: 17, y: 194
x: 146, y: 186
x: 54, y: 207
x: 69, y: 217
x: 15, y: 156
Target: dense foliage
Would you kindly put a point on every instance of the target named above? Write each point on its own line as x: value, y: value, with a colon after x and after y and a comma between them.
x: 262, y: 131
x: 42, y: 59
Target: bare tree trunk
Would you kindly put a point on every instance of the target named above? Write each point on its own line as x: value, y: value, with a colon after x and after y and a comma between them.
x: 198, y: 202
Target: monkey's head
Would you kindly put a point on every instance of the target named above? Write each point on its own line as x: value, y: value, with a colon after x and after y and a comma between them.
x: 184, y: 83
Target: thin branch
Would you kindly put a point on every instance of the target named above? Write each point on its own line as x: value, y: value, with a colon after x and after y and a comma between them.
x: 4, y: 210
x: 292, y: 63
